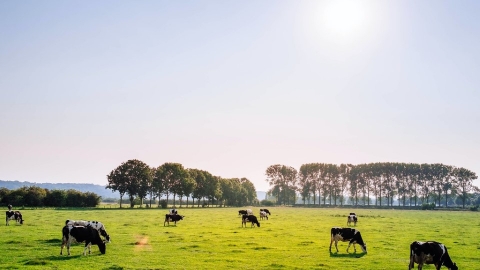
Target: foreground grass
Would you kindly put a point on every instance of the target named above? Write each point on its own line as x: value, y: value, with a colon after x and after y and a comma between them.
x: 293, y: 238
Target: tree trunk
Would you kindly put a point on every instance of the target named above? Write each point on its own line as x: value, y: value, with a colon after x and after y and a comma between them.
x: 121, y: 197
x: 132, y: 199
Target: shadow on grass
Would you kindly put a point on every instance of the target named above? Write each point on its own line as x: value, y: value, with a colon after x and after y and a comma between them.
x: 347, y: 255
x: 63, y: 257
x: 51, y: 242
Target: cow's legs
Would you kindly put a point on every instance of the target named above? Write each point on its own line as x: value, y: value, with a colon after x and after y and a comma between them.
x: 63, y: 245
x: 87, y: 245
x: 352, y: 242
x: 331, y: 242
x: 411, y: 264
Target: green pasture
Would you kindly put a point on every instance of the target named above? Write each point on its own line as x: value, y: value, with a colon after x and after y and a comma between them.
x: 212, y: 238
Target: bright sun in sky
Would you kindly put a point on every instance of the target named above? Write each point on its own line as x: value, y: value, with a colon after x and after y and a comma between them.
x: 344, y: 19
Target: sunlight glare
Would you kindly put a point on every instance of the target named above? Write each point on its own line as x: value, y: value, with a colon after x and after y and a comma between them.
x: 345, y: 19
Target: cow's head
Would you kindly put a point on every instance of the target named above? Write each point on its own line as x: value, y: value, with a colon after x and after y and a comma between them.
x: 364, y: 247
x: 102, y: 247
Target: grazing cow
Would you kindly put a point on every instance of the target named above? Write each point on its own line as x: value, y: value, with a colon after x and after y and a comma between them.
x: 79, y: 234
x: 347, y: 234
x: 242, y: 212
x: 265, y: 210
x: 250, y: 218
x: 249, y: 212
x: 172, y: 218
x: 352, y: 218
x: 263, y: 215
x: 430, y: 252
x: 13, y: 215
x: 97, y: 225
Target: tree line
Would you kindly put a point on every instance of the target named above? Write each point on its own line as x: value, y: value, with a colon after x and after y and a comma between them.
x: 34, y: 196
x: 136, y: 180
x: 408, y: 183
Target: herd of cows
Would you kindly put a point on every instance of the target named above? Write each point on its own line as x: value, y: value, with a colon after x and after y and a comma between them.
x: 94, y: 233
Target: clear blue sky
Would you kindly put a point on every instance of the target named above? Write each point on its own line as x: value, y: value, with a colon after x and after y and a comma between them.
x: 232, y: 87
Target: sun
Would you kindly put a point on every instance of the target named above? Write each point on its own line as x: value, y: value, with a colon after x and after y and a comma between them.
x: 344, y: 19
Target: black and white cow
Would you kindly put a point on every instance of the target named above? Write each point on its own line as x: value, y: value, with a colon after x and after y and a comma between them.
x: 172, y: 218
x: 242, y: 212
x: 79, y: 234
x: 13, y: 215
x: 352, y: 218
x: 263, y: 215
x: 347, y: 234
x: 97, y: 225
x: 250, y: 218
x: 430, y: 252
x: 265, y: 210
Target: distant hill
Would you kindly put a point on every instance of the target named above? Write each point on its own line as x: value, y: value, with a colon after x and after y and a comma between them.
x: 97, y: 189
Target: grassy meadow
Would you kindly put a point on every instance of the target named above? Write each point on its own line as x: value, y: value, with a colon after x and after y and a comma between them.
x: 212, y: 238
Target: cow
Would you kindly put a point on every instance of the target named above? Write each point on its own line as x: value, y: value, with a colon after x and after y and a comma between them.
x: 430, y: 252
x: 265, y: 210
x: 352, y: 218
x: 263, y: 215
x: 172, y: 218
x: 13, y: 215
x: 79, y: 234
x: 347, y: 234
x: 250, y: 218
x: 97, y: 225
x: 249, y: 212
x: 242, y: 212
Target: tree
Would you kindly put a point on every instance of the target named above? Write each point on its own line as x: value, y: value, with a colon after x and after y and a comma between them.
x: 307, y: 179
x: 284, y: 178
x: 132, y: 178
x: 200, y: 183
x: 187, y: 185
x: 171, y: 174
x: 35, y: 196
x: 117, y: 180
x: 464, y: 180
x: 56, y: 198
x: 249, y: 191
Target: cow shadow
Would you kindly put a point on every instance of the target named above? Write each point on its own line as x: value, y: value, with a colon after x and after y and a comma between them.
x: 347, y: 255
x: 51, y: 242
x: 63, y: 257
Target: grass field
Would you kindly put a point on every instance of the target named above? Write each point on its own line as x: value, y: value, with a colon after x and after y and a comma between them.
x: 293, y: 238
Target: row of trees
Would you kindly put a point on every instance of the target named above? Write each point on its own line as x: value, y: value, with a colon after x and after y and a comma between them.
x: 34, y: 196
x: 408, y: 183
x: 137, y: 180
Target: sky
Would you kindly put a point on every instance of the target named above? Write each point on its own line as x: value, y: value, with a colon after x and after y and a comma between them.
x: 233, y: 87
